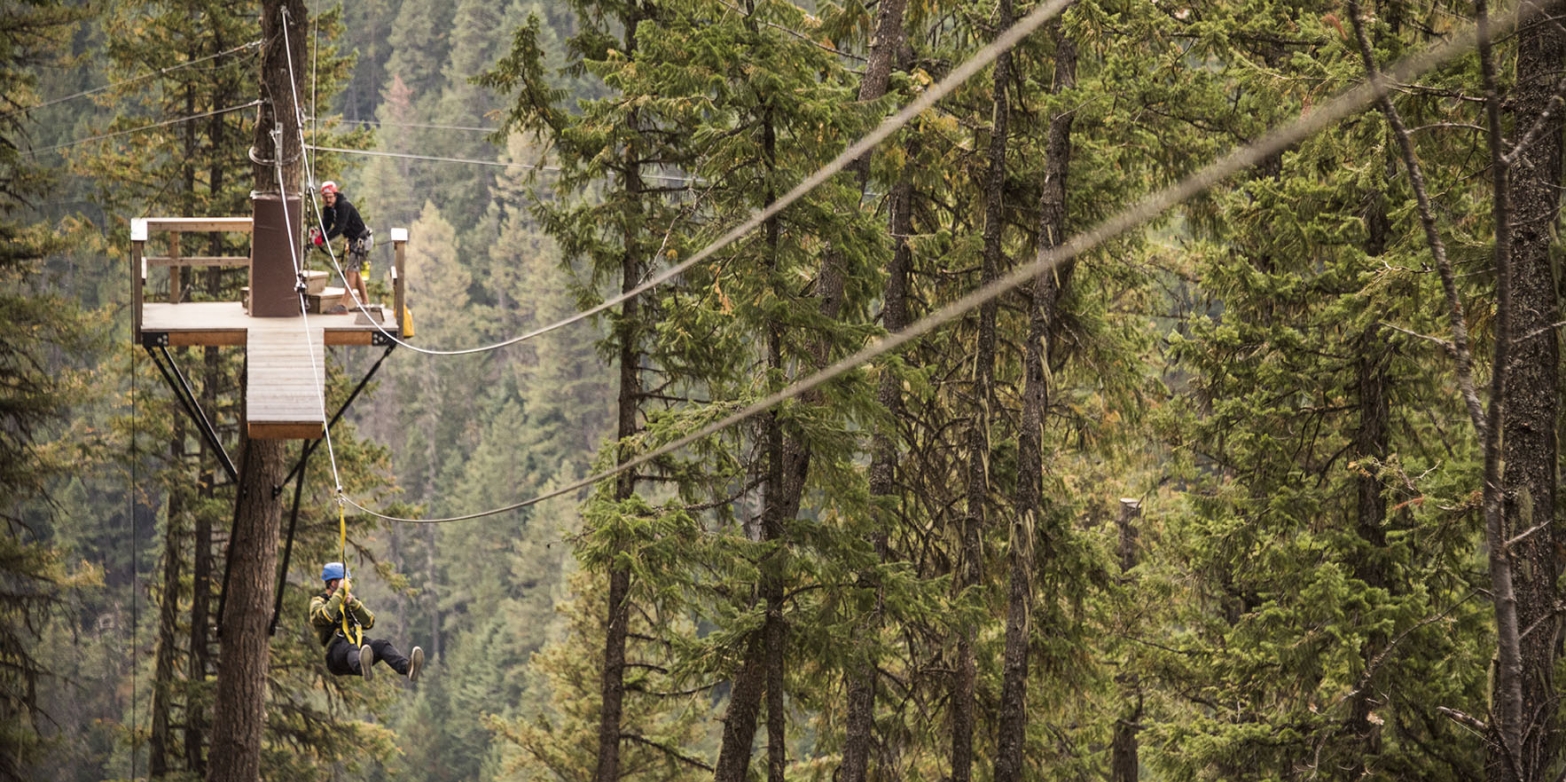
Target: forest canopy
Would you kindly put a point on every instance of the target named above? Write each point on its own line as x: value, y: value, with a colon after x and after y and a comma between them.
x: 1172, y: 393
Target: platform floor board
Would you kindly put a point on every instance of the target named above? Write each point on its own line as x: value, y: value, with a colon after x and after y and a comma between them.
x: 283, y: 386
x: 226, y: 323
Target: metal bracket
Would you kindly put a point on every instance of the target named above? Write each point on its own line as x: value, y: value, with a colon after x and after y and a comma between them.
x: 381, y: 339
x: 154, y: 339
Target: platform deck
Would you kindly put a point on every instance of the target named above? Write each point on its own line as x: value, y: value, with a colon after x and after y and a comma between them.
x: 283, y: 383
x: 227, y: 323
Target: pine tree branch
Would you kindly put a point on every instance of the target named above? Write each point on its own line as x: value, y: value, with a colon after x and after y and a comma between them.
x: 1416, y: 178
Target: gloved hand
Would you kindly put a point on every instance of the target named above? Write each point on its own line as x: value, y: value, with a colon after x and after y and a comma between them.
x: 316, y: 238
x: 347, y: 585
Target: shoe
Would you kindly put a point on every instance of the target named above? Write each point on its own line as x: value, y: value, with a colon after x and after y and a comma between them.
x: 367, y: 662
x: 415, y: 662
x: 337, y: 310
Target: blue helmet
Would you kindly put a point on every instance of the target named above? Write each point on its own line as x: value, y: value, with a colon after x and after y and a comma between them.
x: 333, y: 571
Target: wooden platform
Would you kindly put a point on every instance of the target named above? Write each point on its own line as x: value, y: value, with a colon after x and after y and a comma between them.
x: 283, y: 382
x: 225, y: 323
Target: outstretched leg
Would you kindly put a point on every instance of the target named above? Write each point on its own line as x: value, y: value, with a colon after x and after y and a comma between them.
x: 384, y: 651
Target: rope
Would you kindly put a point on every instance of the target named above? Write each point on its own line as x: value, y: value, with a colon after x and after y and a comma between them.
x: 153, y: 126
x: 143, y: 77
x: 1275, y: 141
x: 350, y: 631
x: 980, y: 60
x: 293, y: 252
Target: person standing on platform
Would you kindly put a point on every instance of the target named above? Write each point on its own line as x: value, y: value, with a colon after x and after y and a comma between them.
x: 342, y: 219
x: 340, y: 619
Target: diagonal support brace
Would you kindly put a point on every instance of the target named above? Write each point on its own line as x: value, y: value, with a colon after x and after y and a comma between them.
x: 187, y: 399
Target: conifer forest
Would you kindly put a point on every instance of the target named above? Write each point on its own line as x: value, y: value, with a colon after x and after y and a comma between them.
x: 799, y: 390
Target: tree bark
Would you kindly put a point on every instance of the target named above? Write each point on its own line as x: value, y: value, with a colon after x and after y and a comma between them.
x: 971, y: 553
x: 861, y: 676
x: 1505, y: 756
x: 241, y: 686
x: 612, y: 686
x: 161, y: 738
x: 1043, y: 313
x: 1124, y: 759
x: 1529, y: 437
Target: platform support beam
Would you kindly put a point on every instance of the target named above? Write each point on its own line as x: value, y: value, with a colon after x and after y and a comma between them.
x: 187, y: 399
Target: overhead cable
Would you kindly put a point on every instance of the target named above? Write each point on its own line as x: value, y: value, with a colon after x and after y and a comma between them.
x: 978, y: 62
x: 153, y: 126
x: 471, y: 161
x: 143, y: 77
x: 1274, y: 142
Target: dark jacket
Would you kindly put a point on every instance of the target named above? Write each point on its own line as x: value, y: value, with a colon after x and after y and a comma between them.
x: 326, y: 615
x: 342, y: 219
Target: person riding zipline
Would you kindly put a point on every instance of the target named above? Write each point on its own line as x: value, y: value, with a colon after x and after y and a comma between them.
x: 339, y: 620
x: 342, y: 219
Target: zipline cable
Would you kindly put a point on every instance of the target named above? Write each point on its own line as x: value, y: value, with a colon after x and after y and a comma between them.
x: 153, y: 126
x: 143, y: 77
x: 980, y: 60
x: 293, y: 251
x: 1275, y: 141
x: 474, y: 162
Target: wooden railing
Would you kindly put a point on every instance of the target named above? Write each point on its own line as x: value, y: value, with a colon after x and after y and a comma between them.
x: 141, y: 230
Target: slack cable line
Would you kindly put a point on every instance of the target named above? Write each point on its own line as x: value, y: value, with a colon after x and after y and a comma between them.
x: 1275, y: 141
x: 471, y: 161
x: 978, y: 62
x: 153, y: 126
x: 143, y: 77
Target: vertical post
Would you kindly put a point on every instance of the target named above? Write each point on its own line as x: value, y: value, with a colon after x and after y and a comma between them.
x: 399, y: 250
x: 138, y: 273
x: 174, y: 271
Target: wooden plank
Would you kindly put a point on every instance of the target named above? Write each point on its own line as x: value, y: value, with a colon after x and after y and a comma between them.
x: 230, y: 339
x: 199, y: 260
x: 174, y: 287
x: 199, y: 224
x: 224, y: 316
x: 283, y: 393
x: 350, y: 337
x: 268, y: 431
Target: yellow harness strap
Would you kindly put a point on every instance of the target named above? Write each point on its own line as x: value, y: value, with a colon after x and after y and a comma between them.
x: 350, y: 629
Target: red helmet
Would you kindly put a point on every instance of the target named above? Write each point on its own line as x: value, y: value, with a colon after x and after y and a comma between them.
x: 328, y: 187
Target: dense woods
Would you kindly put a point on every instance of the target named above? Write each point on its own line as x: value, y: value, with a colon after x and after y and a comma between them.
x: 1266, y: 488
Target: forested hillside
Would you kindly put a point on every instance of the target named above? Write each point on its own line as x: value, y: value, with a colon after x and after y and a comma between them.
x: 1155, y: 442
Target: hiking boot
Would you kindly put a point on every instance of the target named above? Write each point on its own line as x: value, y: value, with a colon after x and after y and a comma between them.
x: 415, y: 662
x: 367, y: 662
x: 337, y: 310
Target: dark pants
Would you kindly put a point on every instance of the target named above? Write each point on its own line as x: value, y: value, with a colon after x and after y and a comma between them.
x: 342, y: 658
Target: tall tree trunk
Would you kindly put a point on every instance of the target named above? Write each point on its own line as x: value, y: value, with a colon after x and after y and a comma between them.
x: 1505, y: 755
x: 240, y: 701
x: 1371, y: 442
x: 1529, y: 437
x: 617, y: 628
x: 861, y: 675
x: 971, y: 554
x: 241, y: 686
x: 1043, y: 306
x: 1124, y: 762
x: 161, y: 737
x: 612, y: 688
